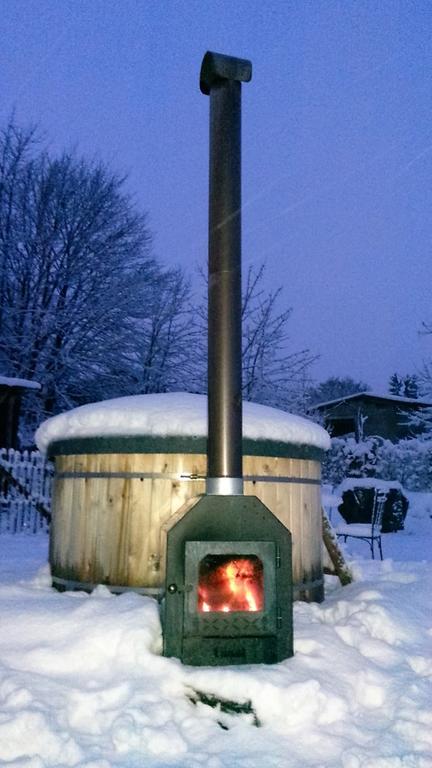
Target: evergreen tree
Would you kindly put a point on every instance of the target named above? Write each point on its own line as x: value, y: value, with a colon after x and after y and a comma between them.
x: 395, y: 385
x: 410, y: 386
x: 406, y: 386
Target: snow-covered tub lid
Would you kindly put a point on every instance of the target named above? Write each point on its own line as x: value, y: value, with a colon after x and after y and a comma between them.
x: 174, y: 422
x: 368, y: 482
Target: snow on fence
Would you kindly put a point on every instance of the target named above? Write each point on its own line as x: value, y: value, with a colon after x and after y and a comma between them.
x: 25, y: 491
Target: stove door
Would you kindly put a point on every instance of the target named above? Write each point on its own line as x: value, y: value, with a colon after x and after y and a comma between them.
x: 230, y: 589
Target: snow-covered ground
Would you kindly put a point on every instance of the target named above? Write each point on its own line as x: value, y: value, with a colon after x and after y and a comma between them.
x: 82, y: 682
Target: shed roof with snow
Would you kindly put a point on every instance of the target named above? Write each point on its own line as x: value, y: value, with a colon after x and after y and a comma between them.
x: 366, y: 414
x: 6, y: 382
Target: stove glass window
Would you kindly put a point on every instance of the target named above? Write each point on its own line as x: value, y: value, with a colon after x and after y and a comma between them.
x: 230, y: 583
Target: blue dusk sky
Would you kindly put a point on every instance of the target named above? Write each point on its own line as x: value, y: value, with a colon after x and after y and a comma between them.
x: 337, y: 146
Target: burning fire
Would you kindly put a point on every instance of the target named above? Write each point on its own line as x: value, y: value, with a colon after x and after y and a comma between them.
x: 234, y: 584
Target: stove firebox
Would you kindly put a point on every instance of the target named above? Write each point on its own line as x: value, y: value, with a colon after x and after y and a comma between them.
x: 229, y: 582
x: 228, y: 597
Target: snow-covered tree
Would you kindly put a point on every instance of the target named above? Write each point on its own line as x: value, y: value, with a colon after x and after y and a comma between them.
x: 272, y: 374
x: 82, y: 298
x: 335, y: 387
x: 165, y: 358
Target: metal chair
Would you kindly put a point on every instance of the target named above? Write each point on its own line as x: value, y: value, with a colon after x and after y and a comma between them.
x: 369, y: 532
x: 329, y: 500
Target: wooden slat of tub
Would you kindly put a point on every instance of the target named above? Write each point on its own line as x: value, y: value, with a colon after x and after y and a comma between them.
x: 294, y: 502
x: 162, y: 499
x: 114, y: 514
x: 60, y: 531
x: 315, y: 501
x: 144, y: 518
x: 305, y: 533
x: 259, y: 466
x: 311, y: 530
x: 81, y: 554
x: 317, y: 535
x: 74, y: 499
x: 105, y: 521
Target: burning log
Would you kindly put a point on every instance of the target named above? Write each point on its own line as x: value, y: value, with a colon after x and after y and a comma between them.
x: 228, y: 583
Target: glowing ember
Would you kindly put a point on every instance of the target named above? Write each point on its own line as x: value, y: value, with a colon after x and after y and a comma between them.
x: 230, y: 583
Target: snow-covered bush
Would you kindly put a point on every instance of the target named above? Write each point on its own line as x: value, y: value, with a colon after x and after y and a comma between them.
x: 349, y: 458
x: 408, y: 461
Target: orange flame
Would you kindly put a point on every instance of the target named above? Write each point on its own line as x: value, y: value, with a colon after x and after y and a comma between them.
x: 236, y: 585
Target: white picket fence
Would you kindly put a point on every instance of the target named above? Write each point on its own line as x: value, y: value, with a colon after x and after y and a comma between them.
x: 25, y: 491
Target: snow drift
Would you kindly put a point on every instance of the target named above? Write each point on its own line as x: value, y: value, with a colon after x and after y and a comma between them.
x: 82, y: 683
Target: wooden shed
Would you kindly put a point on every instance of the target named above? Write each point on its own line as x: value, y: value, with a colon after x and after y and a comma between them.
x: 365, y: 414
x: 11, y: 392
x: 124, y: 467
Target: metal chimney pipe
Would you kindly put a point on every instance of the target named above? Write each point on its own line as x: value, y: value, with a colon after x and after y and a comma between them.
x: 221, y: 78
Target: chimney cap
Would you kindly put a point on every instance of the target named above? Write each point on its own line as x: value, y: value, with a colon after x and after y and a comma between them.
x: 218, y: 66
